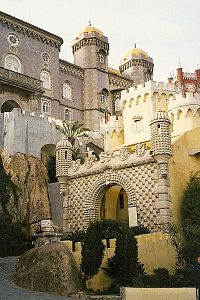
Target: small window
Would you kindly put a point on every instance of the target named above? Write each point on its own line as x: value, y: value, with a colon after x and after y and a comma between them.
x: 12, y: 63
x: 103, y: 97
x: 67, y: 91
x: 13, y: 39
x: 68, y: 114
x: 45, y: 77
x: 121, y: 201
x: 45, y: 107
x: 101, y: 58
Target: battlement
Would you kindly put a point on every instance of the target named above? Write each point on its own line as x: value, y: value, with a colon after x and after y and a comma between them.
x: 150, y: 87
x: 115, y: 124
x: 190, y: 76
x: 17, y: 112
x: 190, y: 99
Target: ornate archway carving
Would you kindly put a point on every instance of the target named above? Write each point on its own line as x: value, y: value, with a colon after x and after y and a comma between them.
x: 107, y: 179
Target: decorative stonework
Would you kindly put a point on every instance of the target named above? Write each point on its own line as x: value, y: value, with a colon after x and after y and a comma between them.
x: 46, y: 57
x: 124, y: 153
x: 71, y: 69
x: 91, y: 42
x: 89, y: 161
x: 119, y: 81
x: 105, y: 156
x: 30, y: 30
x: 75, y: 165
x: 140, y: 149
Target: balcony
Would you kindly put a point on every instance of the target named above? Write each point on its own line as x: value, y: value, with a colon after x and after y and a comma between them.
x: 20, y: 81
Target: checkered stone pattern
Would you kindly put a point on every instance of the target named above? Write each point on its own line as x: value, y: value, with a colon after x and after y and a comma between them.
x: 78, y: 190
x: 139, y: 183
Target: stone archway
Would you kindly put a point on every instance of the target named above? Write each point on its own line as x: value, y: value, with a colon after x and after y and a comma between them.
x: 9, y: 105
x: 107, y: 179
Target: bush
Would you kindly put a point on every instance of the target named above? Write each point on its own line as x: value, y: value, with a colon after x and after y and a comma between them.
x: 51, y: 168
x: 12, y: 238
x: 183, y: 277
x: 190, y: 222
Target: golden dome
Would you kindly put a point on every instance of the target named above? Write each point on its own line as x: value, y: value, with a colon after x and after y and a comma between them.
x: 136, y: 52
x: 89, y: 29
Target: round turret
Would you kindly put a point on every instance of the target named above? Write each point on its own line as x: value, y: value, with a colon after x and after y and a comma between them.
x: 63, y: 157
x: 160, y: 134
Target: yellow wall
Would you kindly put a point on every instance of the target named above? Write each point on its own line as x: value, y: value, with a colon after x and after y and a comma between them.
x: 182, y: 166
x: 154, y: 251
x: 115, y: 140
x: 111, y: 207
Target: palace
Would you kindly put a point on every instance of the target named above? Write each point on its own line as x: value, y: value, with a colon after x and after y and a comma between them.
x: 153, y: 132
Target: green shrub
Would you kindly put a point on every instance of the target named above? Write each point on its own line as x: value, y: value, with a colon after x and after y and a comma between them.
x: 51, y: 168
x: 13, y: 240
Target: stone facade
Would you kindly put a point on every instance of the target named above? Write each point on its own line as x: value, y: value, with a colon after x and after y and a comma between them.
x: 142, y: 174
x: 33, y: 77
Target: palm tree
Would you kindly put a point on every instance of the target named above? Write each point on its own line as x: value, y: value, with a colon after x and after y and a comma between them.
x: 72, y: 130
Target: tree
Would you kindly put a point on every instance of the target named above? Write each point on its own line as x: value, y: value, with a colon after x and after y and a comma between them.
x: 72, y: 130
x: 190, y: 221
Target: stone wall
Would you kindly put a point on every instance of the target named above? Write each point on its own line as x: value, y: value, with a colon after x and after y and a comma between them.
x: 137, y: 175
x: 27, y: 133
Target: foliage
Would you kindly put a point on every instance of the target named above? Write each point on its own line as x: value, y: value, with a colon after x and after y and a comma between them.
x: 183, y: 277
x: 93, y: 248
x: 72, y: 130
x: 12, y: 238
x: 190, y: 222
x: 190, y: 210
x: 51, y: 168
x: 124, y: 265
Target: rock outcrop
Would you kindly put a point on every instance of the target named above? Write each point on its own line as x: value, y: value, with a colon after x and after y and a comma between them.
x: 28, y: 194
x: 50, y: 268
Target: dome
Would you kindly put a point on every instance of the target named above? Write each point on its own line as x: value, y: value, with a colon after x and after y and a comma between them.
x: 90, y: 29
x: 136, y: 52
x: 64, y: 143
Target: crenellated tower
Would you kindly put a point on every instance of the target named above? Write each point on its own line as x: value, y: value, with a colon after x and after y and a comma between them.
x: 184, y: 108
x: 91, y: 50
x: 162, y: 151
x: 137, y: 65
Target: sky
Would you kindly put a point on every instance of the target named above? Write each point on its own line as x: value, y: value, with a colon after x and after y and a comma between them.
x: 169, y: 31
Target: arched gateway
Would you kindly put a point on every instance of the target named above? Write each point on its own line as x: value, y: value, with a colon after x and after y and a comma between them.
x: 96, y: 191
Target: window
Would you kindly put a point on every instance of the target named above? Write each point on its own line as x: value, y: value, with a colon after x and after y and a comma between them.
x: 12, y: 63
x: 13, y: 39
x: 121, y: 201
x: 67, y: 91
x: 68, y: 114
x: 45, y: 107
x: 45, y: 77
x: 101, y: 58
x: 103, y: 98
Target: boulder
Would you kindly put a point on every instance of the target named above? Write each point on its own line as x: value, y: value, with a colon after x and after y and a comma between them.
x: 29, y: 199
x: 50, y: 268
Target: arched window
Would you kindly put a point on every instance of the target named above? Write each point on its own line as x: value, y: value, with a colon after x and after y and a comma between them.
x: 67, y: 91
x: 46, y: 78
x: 12, y: 63
x: 45, y: 107
x: 68, y: 114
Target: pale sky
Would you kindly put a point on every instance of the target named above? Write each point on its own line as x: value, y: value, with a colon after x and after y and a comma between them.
x: 169, y: 31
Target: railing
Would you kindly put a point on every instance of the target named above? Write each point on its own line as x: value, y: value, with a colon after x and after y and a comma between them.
x: 9, y: 77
